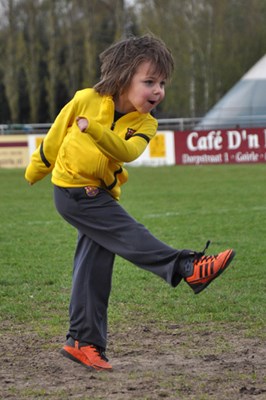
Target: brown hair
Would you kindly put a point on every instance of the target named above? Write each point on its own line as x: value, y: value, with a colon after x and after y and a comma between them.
x: 120, y: 61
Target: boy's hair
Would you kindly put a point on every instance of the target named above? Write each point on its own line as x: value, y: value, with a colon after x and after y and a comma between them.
x: 120, y: 61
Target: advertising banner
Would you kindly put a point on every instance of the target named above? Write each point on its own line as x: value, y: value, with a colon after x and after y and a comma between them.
x: 232, y: 146
x: 13, y: 151
x: 160, y: 151
x: 34, y: 141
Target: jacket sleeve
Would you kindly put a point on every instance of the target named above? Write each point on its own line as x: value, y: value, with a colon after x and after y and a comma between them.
x: 118, y: 148
x: 44, y: 157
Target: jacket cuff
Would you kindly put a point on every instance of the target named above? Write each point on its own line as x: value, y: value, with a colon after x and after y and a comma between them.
x: 32, y: 175
x: 95, y: 130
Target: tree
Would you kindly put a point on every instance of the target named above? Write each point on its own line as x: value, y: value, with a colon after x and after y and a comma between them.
x: 213, y: 43
x: 53, y: 54
x: 49, y: 49
x: 30, y: 49
x: 10, y: 57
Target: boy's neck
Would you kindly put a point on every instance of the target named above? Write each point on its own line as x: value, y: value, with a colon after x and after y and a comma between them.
x: 118, y: 115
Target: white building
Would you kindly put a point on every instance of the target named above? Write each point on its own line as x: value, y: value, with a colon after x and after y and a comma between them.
x: 244, y: 105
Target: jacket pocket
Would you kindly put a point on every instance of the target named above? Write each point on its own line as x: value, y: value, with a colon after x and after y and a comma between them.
x: 115, y: 174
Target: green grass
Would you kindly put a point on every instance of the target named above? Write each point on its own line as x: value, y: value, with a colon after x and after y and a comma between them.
x: 183, y: 206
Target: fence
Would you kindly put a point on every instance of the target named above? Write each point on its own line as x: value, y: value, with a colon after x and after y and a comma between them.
x: 173, y: 124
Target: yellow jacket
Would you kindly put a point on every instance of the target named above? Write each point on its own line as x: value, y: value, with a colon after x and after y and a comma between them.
x: 95, y: 157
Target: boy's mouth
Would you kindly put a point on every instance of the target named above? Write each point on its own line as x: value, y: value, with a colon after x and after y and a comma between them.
x: 152, y: 102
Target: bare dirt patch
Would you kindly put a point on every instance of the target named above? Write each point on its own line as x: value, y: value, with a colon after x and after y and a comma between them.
x: 148, y: 364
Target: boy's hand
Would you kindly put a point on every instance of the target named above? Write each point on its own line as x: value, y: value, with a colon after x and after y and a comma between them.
x: 82, y: 123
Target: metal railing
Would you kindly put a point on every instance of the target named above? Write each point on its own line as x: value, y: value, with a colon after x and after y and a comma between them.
x: 178, y: 124
x: 23, y: 129
x: 173, y: 124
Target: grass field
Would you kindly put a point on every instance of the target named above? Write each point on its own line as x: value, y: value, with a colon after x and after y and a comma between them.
x: 183, y: 206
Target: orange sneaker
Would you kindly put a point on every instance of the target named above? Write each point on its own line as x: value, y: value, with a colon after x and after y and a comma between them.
x: 207, y: 268
x: 89, y: 356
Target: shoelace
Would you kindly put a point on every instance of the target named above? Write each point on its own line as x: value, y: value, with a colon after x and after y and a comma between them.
x: 100, y: 352
x: 103, y: 355
x: 200, y: 254
x: 206, y: 258
x: 206, y: 246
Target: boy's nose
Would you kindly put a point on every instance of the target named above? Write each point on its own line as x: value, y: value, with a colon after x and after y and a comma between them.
x: 157, y: 89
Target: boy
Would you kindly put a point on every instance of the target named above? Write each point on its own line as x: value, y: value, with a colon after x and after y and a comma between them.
x: 99, y: 130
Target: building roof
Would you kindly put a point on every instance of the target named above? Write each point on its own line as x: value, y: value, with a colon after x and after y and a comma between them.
x: 242, y: 106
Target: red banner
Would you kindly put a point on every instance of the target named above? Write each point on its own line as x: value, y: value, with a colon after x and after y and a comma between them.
x: 231, y: 146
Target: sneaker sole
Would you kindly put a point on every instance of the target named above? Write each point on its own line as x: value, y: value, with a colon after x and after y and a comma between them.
x: 200, y: 287
x: 73, y: 358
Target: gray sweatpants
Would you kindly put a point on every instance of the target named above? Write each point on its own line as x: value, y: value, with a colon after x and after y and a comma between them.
x: 104, y: 230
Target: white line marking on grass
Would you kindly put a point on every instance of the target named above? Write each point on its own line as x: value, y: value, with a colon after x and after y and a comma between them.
x: 206, y: 212
x: 40, y: 222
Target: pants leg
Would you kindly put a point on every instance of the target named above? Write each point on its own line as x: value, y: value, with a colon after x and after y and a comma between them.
x: 106, y: 229
x: 91, y: 286
x: 102, y: 219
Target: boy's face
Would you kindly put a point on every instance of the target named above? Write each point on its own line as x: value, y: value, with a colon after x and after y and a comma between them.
x: 145, y: 92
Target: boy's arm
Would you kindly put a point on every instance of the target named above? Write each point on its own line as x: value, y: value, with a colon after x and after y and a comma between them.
x: 44, y: 157
x: 113, y: 146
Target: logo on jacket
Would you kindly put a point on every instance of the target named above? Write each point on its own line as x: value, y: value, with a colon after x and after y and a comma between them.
x: 130, y: 133
x: 91, y: 191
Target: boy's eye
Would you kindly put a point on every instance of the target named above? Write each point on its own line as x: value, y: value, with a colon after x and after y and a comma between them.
x: 150, y: 82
